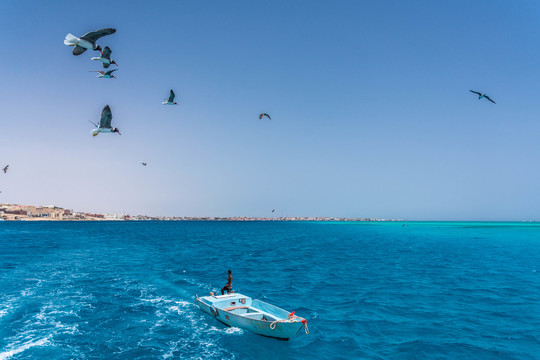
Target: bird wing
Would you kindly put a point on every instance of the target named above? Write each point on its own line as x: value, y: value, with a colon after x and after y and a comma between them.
x: 268, y: 116
x: 476, y: 92
x: 487, y: 97
x: 110, y: 71
x: 171, y: 96
x: 106, y: 117
x: 78, y: 50
x: 106, y: 53
x: 94, y: 35
x: 261, y: 116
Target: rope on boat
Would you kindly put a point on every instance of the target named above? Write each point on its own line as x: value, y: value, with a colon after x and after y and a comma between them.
x: 291, y: 318
x: 305, y: 326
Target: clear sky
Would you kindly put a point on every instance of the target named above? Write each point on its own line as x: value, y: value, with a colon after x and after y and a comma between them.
x: 370, y: 104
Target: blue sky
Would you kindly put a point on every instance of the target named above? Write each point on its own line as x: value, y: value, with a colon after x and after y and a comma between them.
x: 371, y: 113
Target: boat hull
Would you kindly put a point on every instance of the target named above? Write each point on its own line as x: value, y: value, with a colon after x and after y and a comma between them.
x: 282, y: 330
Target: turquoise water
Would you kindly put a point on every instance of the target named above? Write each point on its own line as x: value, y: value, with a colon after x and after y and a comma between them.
x: 125, y: 290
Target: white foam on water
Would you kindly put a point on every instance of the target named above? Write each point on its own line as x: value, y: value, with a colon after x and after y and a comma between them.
x: 206, y: 339
x: 7, y: 354
x: 27, y: 292
x: 49, y: 321
x: 54, y: 325
x: 172, y: 349
x: 198, y: 335
x: 178, y: 308
x: 158, y: 300
x: 234, y: 331
x: 158, y: 323
x: 6, y: 307
x: 229, y: 330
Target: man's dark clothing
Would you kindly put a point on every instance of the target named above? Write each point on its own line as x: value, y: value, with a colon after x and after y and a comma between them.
x: 228, y: 286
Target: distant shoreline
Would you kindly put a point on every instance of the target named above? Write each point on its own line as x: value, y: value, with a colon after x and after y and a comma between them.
x: 211, y: 219
x: 535, y: 222
x: 17, y: 212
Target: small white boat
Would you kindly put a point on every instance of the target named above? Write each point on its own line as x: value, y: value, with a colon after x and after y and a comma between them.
x: 251, y: 314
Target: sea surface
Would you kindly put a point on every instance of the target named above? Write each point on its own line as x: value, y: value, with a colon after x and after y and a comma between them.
x: 369, y: 290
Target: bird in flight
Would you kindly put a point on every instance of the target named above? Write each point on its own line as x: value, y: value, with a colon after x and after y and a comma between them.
x: 105, y: 123
x: 480, y: 95
x: 106, y: 74
x: 273, y: 210
x: 264, y: 114
x: 87, y: 41
x: 5, y: 169
x: 105, y: 57
x: 170, y: 100
x: 144, y: 164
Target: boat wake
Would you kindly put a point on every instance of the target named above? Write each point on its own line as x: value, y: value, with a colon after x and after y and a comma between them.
x: 17, y: 349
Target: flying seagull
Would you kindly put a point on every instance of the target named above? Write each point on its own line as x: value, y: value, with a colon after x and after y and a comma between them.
x: 105, y: 57
x: 143, y: 164
x: 480, y: 95
x: 106, y: 74
x: 273, y: 210
x: 5, y: 169
x: 264, y: 114
x: 170, y: 100
x: 105, y: 123
x: 87, y: 41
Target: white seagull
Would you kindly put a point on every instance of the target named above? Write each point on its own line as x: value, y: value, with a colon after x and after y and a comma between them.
x: 87, y: 41
x: 105, y: 123
x: 106, y: 74
x: 105, y: 57
x: 170, y: 100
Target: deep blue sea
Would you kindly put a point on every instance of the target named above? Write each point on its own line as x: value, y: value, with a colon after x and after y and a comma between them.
x: 415, y: 290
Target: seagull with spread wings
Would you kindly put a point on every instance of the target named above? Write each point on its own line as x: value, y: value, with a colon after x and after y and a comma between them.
x: 87, y: 41
x: 105, y: 123
x: 106, y: 74
x: 264, y: 114
x: 480, y: 95
x: 170, y: 100
x: 105, y: 57
x: 5, y: 169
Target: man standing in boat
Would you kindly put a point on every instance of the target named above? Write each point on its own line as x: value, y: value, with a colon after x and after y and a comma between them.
x: 228, y: 285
